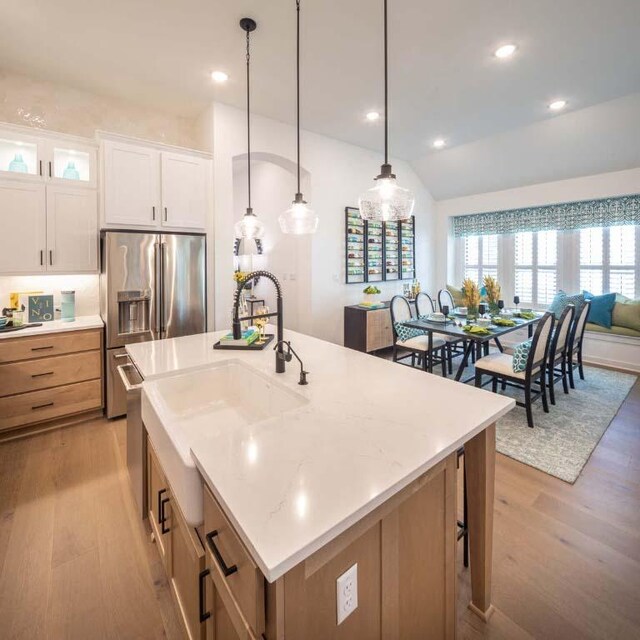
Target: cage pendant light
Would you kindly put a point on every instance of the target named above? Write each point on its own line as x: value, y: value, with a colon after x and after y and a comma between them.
x: 386, y: 201
x: 249, y: 226
x: 299, y: 219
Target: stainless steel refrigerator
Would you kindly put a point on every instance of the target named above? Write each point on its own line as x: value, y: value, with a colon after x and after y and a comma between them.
x: 152, y: 286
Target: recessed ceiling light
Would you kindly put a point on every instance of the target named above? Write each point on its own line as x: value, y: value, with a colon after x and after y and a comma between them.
x: 372, y: 116
x: 505, y: 51
x: 438, y: 143
x: 219, y: 76
x: 557, y: 105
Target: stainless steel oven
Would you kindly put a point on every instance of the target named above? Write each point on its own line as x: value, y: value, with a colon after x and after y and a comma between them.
x: 136, y: 437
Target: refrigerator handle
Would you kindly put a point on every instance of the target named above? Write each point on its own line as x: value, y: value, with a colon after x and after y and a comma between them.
x: 157, y: 293
x: 163, y: 329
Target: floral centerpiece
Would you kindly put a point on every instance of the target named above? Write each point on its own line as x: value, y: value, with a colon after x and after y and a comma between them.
x: 471, y: 295
x: 492, y: 292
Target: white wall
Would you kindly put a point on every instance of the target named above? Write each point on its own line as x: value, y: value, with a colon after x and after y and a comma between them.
x: 338, y: 173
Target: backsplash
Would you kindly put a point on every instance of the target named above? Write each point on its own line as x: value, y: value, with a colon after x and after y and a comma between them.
x: 85, y: 286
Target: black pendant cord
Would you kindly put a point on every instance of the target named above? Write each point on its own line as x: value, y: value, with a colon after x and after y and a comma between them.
x: 248, y: 126
x: 298, y: 84
x: 386, y: 90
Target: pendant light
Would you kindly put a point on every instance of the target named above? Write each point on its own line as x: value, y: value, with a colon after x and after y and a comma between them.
x: 248, y: 227
x: 299, y: 219
x: 386, y: 201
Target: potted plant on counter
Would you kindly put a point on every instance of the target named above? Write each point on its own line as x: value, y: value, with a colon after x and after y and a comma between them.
x: 371, y: 295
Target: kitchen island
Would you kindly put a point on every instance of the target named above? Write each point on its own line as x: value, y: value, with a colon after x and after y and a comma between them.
x: 358, y: 467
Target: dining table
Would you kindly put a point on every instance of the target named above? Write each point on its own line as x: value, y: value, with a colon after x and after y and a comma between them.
x: 473, y: 342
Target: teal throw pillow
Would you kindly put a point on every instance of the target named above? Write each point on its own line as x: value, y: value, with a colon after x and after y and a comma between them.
x: 601, y: 308
x: 521, y: 355
x: 406, y: 333
x: 562, y: 300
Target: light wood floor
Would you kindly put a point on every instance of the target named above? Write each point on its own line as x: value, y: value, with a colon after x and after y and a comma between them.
x: 76, y: 563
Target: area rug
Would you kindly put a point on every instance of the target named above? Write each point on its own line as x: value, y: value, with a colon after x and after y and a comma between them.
x: 562, y: 440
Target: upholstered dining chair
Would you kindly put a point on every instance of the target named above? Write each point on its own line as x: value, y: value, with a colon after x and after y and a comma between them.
x: 558, y: 352
x: 455, y: 346
x: 576, y: 340
x: 413, y: 340
x: 500, y: 367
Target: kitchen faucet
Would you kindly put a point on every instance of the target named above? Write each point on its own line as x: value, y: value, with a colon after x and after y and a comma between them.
x: 237, y: 330
x: 287, y: 357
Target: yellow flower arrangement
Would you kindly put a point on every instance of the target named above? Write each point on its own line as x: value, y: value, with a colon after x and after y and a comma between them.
x: 493, y: 290
x: 471, y: 295
x: 239, y: 276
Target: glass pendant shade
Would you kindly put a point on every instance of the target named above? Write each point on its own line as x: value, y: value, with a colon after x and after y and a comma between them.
x: 299, y: 219
x: 249, y: 227
x: 386, y: 201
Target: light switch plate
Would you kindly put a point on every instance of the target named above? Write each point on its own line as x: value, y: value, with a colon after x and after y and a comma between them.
x: 347, y: 593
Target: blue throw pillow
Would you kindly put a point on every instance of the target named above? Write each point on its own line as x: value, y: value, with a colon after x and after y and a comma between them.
x: 601, y: 308
x: 562, y: 300
x: 405, y: 333
x: 521, y: 355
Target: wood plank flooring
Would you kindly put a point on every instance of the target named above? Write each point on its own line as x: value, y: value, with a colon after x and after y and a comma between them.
x: 75, y: 562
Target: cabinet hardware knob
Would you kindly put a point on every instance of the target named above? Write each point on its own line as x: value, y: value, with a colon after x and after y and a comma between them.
x: 49, y: 168
x: 40, y: 167
x: 204, y: 615
x: 161, y: 517
x: 50, y: 256
x: 165, y: 214
x: 218, y: 556
x: 153, y: 209
x: 41, y: 257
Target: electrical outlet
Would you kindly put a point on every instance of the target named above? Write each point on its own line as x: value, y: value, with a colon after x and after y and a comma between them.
x: 347, y: 592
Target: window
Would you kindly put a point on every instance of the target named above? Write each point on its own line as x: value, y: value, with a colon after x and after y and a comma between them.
x: 480, y: 257
x: 608, y: 260
x: 536, y: 260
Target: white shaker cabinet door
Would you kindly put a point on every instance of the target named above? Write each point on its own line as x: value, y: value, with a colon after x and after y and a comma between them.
x: 185, y: 183
x: 72, y: 230
x: 23, y: 233
x: 131, y: 185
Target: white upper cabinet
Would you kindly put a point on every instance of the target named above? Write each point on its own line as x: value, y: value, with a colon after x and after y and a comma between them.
x: 131, y: 185
x: 23, y: 238
x: 185, y: 183
x: 72, y: 230
x: 150, y: 186
x: 46, y: 157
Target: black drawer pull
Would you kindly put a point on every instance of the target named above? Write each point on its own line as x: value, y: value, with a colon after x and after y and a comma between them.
x: 42, y: 406
x: 218, y: 556
x: 160, y: 494
x: 39, y: 375
x: 41, y: 348
x: 204, y: 615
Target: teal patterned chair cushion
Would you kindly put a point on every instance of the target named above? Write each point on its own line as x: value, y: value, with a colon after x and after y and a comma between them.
x: 405, y: 333
x: 562, y: 300
x: 521, y: 355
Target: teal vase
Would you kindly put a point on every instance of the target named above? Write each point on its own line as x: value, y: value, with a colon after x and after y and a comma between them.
x: 18, y: 165
x: 70, y: 172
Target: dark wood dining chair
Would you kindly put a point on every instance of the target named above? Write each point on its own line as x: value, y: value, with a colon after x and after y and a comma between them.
x: 576, y: 341
x: 500, y: 367
x: 417, y: 344
x: 557, y: 364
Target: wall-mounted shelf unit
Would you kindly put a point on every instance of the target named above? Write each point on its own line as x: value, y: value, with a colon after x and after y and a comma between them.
x: 378, y: 251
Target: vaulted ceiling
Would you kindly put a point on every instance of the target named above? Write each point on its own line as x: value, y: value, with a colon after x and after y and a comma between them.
x: 444, y: 79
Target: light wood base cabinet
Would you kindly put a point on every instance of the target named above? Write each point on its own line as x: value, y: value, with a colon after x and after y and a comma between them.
x: 47, y: 378
x: 405, y: 552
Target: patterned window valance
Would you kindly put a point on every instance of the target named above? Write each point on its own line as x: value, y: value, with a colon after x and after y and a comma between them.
x: 608, y: 212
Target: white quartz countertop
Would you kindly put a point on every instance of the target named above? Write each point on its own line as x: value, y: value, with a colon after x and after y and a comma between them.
x: 56, y: 326
x: 293, y: 483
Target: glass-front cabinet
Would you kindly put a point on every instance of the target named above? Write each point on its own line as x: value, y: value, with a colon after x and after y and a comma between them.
x: 41, y: 157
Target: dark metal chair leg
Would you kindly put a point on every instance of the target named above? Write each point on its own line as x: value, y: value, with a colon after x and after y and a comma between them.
x: 527, y: 401
x: 443, y: 357
x: 494, y: 384
x: 552, y: 376
x: 543, y: 391
x: 570, y: 362
x: 450, y: 358
x: 478, y: 379
x: 580, y: 367
x: 565, y: 383
x: 413, y: 359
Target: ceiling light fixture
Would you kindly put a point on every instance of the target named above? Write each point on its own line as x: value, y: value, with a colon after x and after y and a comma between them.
x: 372, y: 116
x: 439, y: 143
x: 386, y: 201
x: 219, y: 76
x: 557, y: 105
x: 505, y: 51
x: 299, y: 219
x: 248, y: 227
